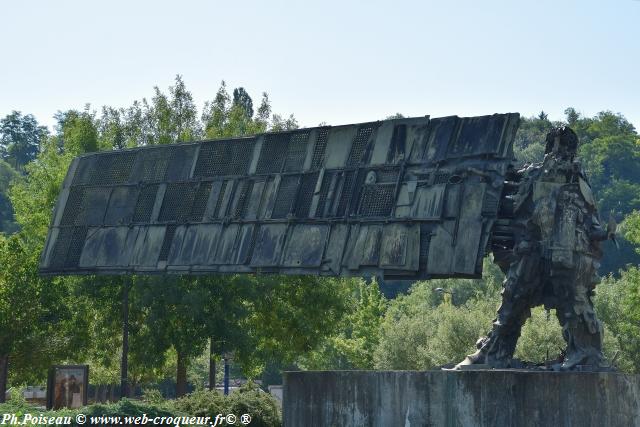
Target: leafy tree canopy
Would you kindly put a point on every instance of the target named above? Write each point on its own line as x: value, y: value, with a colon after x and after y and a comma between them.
x: 20, y: 138
x: 7, y: 175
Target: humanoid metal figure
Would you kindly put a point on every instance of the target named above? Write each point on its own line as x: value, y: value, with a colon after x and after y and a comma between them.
x: 557, y: 234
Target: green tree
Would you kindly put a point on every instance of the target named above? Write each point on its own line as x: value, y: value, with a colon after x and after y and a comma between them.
x: 137, y: 127
x: 184, y: 112
x: 543, y: 116
x: 7, y: 175
x: 530, y: 138
x: 278, y: 123
x: 215, y: 113
x: 614, y: 307
x: 353, y: 344
x: 571, y: 116
x: 174, y: 318
x: 266, y: 320
x: 242, y: 99
x: 603, y: 124
x: 20, y: 139
x: 632, y: 228
x: 111, y: 129
x: 426, y: 328
x: 38, y: 321
x: 77, y: 131
x: 223, y: 118
x: 170, y: 119
x: 610, y: 152
x: 416, y: 335
x: 41, y: 320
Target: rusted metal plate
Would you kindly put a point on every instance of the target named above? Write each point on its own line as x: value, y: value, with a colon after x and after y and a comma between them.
x: 405, y: 198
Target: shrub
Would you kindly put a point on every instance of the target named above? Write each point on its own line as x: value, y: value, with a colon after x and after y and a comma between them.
x: 128, y: 407
x: 262, y: 407
x: 125, y: 407
x: 202, y: 403
x: 249, y: 399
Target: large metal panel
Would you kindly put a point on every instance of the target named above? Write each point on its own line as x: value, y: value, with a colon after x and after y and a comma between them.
x: 406, y: 198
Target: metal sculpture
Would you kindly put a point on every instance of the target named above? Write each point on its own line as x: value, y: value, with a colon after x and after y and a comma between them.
x: 405, y: 198
x: 414, y: 198
x: 554, y: 232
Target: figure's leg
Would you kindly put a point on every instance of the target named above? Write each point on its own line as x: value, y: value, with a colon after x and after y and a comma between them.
x: 518, y: 296
x: 580, y: 327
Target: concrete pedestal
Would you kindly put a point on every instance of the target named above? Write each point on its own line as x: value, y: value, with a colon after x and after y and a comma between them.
x: 461, y: 398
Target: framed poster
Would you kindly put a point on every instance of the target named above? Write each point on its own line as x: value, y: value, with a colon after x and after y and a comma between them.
x: 67, y: 386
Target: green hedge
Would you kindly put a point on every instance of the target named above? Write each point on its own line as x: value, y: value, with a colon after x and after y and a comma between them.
x: 125, y: 407
x: 261, y: 406
x: 249, y: 399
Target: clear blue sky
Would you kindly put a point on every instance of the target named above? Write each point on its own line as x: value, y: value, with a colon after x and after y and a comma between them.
x: 327, y: 61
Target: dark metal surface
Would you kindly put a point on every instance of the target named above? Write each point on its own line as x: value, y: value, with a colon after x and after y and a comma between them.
x: 404, y: 198
x: 547, y: 242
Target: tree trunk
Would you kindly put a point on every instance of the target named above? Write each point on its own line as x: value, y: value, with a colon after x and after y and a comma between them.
x: 212, y: 366
x: 4, y: 373
x: 131, y: 388
x: 181, y: 376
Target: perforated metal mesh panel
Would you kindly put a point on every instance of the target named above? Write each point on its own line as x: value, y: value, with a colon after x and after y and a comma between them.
x: 387, y: 175
x: 245, y: 191
x: 273, y: 152
x: 377, y: 200
x: 398, y: 141
x: 441, y: 178
x: 84, y: 171
x: 296, y: 152
x: 177, y: 202
x: 113, y: 168
x: 286, y: 195
x: 425, y: 241
x: 200, y: 202
x: 76, y: 244
x: 208, y: 198
x: 490, y: 205
x: 324, y: 193
x: 346, y: 193
x: 59, y: 253
x: 152, y: 165
x: 73, y: 207
x: 319, y: 148
x: 359, y: 144
x: 144, y: 205
x: 91, y: 197
x: 218, y: 207
x: 305, y: 195
x: 166, y: 242
x: 231, y: 157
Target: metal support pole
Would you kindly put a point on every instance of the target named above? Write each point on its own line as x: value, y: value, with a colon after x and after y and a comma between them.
x: 226, y: 376
x: 124, y: 381
x: 212, y: 366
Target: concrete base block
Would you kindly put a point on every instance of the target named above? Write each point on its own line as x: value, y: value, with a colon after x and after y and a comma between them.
x: 460, y: 398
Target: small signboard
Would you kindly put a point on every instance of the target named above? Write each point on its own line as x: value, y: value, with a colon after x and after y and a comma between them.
x: 67, y: 386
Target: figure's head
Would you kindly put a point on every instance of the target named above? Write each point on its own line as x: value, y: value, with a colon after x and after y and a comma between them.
x: 563, y: 141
